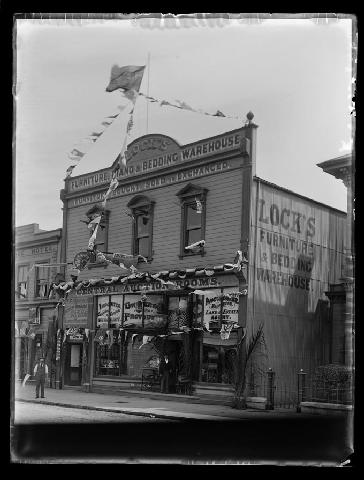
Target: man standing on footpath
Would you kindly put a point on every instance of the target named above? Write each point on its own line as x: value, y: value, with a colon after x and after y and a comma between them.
x: 41, y: 374
x: 165, y: 369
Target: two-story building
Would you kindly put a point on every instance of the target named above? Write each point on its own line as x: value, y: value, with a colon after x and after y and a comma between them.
x: 36, y: 251
x: 193, y: 253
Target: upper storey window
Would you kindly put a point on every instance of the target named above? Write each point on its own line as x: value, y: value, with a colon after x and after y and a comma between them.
x: 142, y: 211
x: 193, y: 219
x: 22, y: 281
x: 42, y: 282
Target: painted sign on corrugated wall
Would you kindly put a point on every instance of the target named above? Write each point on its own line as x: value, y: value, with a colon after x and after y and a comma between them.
x: 296, y: 251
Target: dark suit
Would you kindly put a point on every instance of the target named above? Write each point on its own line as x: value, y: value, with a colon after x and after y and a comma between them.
x: 165, y: 369
x: 40, y: 373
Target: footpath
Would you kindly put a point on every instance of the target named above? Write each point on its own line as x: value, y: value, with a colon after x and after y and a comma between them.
x: 128, y: 404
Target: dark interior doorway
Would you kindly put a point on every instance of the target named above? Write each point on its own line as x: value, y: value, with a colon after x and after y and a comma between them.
x: 73, y: 364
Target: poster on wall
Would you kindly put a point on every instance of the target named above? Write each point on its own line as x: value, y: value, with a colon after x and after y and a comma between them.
x: 76, y: 311
x: 133, y: 311
x: 230, y: 307
x: 221, y: 307
x: 103, y: 314
x: 212, y: 309
x: 116, y: 311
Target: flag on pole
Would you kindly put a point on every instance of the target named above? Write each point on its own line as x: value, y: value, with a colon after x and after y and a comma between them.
x: 127, y: 78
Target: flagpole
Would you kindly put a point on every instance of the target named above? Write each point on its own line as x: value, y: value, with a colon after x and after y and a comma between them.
x: 148, y: 63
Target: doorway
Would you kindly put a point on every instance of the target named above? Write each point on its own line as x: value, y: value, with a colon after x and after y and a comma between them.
x: 174, y: 351
x: 73, y: 364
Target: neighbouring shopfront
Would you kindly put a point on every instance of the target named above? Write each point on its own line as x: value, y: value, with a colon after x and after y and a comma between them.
x: 73, y: 339
x: 36, y: 265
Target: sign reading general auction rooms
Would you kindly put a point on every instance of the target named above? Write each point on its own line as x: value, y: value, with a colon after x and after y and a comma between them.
x: 155, y: 286
x: 156, y: 152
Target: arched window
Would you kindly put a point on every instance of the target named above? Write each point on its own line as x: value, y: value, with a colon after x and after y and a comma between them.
x: 142, y: 210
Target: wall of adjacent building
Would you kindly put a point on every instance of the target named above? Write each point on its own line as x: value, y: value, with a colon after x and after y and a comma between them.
x: 296, y: 320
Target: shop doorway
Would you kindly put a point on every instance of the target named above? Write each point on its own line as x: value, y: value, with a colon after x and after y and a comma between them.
x: 73, y: 364
x: 174, y: 351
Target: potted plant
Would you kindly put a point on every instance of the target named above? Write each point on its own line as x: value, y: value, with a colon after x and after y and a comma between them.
x: 240, y: 356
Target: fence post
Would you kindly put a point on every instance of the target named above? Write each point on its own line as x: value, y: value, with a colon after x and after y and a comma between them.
x: 270, y: 396
x: 301, y: 375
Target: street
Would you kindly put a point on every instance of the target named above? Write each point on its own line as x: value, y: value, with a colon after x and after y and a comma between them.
x: 31, y: 413
x: 53, y: 432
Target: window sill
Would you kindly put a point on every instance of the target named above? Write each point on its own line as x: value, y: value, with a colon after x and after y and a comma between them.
x: 202, y: 253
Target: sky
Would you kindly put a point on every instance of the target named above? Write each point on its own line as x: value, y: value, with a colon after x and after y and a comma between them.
x: 295, y: 75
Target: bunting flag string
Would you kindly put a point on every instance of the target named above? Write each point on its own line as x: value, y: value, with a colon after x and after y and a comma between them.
x: 112, y: 187
x: 162, y: 276
x: 127, y: 80
x: 184, y: 106
x: 80, y: 149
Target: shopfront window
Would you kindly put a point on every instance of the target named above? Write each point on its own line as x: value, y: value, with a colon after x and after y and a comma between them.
x: 119, y: 350
x: 109, y: 311
x: 108, y: 359
x: 216, y: 365
x: 147, y: 312
x: 178, y: 312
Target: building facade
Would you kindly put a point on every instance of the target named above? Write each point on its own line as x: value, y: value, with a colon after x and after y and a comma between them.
x: 193, y: 254
x: 35, y: 251
x: 341, y: 293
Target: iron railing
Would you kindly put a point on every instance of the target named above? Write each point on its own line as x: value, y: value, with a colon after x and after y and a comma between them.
x: 307, y: 389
